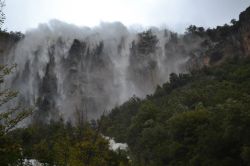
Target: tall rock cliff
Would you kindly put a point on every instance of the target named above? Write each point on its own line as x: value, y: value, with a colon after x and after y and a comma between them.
x: 63, y: 68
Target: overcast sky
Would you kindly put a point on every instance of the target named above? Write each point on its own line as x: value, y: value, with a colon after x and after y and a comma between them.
x: 174, y: 14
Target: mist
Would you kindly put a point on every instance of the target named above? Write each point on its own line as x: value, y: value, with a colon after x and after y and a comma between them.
x: 63, y: 68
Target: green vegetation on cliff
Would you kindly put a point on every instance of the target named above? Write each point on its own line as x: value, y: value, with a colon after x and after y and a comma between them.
x: 201, y: 118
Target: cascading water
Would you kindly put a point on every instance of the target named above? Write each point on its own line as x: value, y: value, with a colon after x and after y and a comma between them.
x: 62, y: 68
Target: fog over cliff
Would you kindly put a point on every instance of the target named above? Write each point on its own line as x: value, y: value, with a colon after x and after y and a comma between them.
x: 62, y: 68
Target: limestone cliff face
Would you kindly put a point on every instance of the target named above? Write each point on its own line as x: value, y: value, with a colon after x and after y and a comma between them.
x: 245, y: 30
x: 223, y: 42
x: 7, y: 41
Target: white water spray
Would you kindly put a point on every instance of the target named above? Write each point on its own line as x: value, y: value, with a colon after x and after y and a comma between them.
x: 62, y: 67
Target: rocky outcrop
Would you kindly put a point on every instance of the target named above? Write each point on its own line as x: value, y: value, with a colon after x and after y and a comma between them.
x: 229, y: 41
x: 8, y: 40
x: 245, y: 30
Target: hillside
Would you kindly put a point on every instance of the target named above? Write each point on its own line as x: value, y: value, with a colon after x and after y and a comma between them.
x: 200, y: 118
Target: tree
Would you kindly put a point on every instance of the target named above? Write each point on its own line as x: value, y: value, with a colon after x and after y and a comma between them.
x: 191, y: 29
x: 10, y: 117
x: 9, y: 150
x: 147, y: 42
x: 233, y: 22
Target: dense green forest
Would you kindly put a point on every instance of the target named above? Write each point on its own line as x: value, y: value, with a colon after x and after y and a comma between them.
x: 201, y: 118
x: 59, y: 143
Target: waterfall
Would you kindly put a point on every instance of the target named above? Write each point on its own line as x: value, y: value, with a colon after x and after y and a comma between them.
x: 62, y: 68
